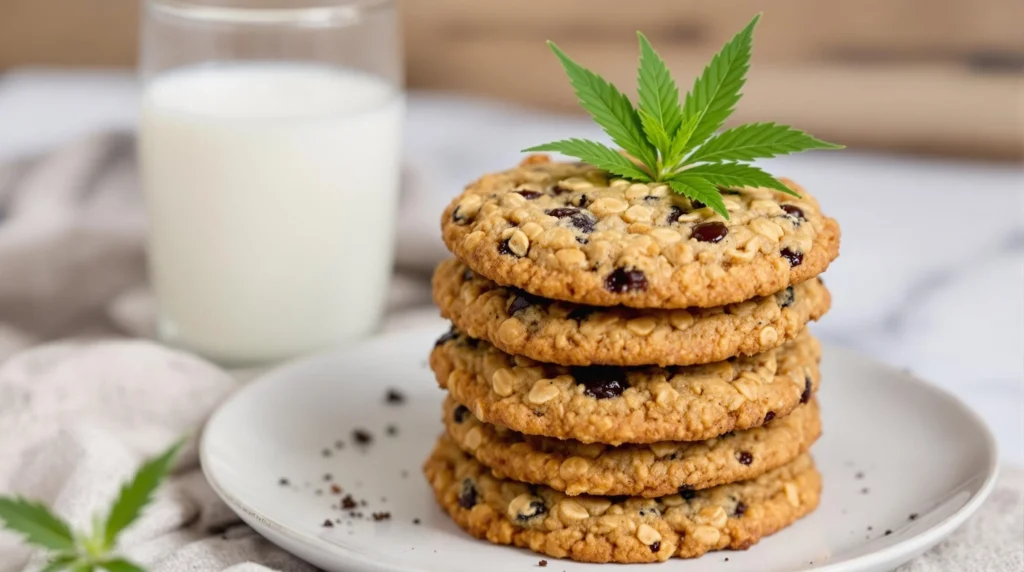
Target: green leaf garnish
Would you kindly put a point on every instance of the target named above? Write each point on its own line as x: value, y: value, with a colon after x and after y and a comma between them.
x: 733, y: 175
x: 675, y: 143
x: 36, y: 524
x: 596, y: 154
x: 717, y: 91
x: 757, y: 141
x: 660, y: 112
x: 609, y: 107
x: 120, y: 565
x: 697, y: 188
x: 60, y: 563
x: 136, y: 494
x: 81, y: 552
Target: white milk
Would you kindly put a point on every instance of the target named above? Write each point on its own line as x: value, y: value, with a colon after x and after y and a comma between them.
x: 272, y: 191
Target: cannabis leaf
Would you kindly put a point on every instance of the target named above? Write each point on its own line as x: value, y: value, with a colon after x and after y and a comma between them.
x: 609, y: 107
x: 697, y: 188
x: 660, y: 113
x: 673, y: 142
x: 757, y: 141
x: 137, y: 493
x: 86, y: 552
x: 598, y: 155
x: 717, y: 91
x: 36, y: 523
x: 120, y: 565
x: 735, y: 175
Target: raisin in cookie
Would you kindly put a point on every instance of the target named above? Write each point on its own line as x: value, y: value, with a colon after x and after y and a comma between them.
x: 616, y: 405
x: 653, y: 470
x: 570, y: 334
x: 567, y: 231
x: 619, y: 529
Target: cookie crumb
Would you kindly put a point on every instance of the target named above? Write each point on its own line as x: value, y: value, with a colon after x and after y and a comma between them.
x: 335, y: 489
x: 542, y: 563
x: 327, y: 477
x: 391, y: 430
x: 379, y: 516
x: 394, y: 397
x: 859, y: 475
x: 283, y: 482
x: 362, y: 437
x: 864, y: 491
x: 327, y: 523
x: 348, y: 502
x: 325, y: 453
x: 912, y: 516
x: 888, y: 532
x: 416, y: 521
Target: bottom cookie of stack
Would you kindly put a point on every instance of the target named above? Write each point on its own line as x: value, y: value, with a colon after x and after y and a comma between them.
x: 619, y: 529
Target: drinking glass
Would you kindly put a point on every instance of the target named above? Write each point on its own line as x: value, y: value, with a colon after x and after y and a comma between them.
x: 269, y: 151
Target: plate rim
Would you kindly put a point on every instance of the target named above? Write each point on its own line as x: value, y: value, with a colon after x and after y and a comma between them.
x: 915, y: 544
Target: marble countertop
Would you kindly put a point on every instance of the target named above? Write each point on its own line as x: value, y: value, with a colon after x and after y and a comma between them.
x: 931, y: 275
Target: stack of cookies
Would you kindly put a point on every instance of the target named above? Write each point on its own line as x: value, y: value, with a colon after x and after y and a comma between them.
x: 629, y: 374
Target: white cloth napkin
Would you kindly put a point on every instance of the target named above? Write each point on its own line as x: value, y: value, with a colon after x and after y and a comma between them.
x: 78, y: 415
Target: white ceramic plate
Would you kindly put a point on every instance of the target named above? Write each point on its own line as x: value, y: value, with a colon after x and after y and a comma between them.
x: 893, y: 446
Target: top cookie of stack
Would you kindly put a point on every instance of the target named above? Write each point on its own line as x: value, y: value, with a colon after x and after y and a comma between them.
x: 567, y: 264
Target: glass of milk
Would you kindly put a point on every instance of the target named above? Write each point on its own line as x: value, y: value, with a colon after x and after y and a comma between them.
x: 269, y: 151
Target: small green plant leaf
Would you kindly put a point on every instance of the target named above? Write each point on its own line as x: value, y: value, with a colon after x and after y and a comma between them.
x: 737, y: 175
x: 36, y: 524
x: 601, y: 156
x: 676, y: 143
x: 137, y: 493
x: 698, y: 188
x: 609, y: 107
x: 656, y: 131
x: 717, y: 91
x: 756, y: 141
x: 658, y: 97
x: 680, y: 142
x: 121, y: 565
x: 60, y: 562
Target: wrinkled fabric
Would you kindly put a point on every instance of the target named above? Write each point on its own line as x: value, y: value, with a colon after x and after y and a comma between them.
x: 77, y: 420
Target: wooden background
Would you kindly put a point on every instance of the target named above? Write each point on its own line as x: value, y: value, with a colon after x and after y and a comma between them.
x: 923, y: 76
